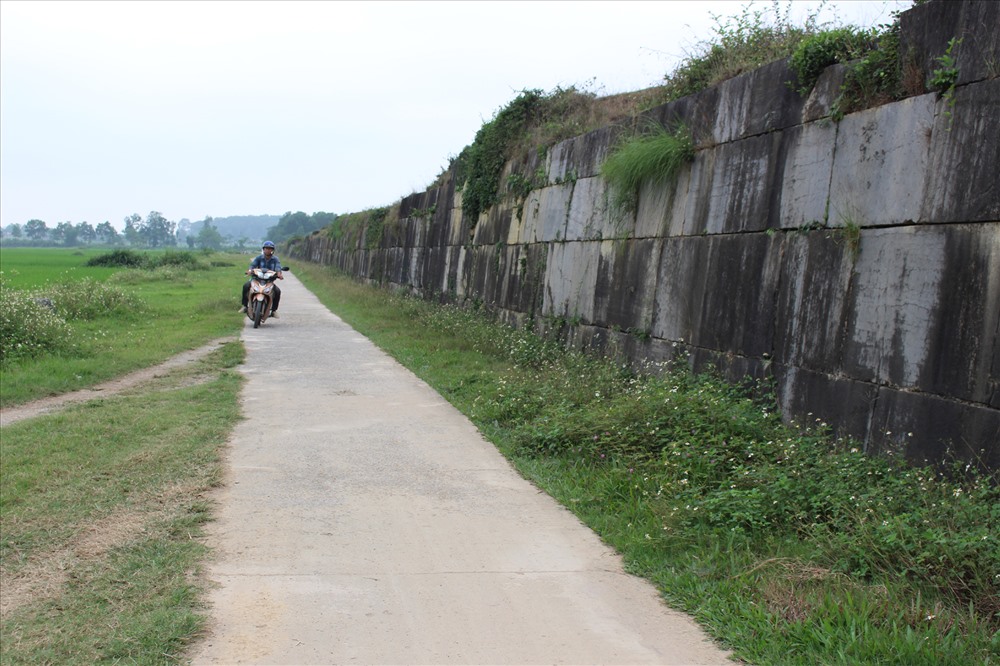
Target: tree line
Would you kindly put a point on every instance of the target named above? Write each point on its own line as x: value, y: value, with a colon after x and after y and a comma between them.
x: 155, y: 231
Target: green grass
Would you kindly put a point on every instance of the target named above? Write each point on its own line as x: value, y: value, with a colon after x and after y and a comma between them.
x: 787, y: 546
x: 178, y: 310
x: 26, y: 267
x: 102, y: 507
x: 653, y: 156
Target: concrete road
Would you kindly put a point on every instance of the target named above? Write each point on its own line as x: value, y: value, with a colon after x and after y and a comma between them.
x: 364, y: 520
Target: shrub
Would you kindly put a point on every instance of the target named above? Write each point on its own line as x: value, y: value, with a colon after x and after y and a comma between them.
x: 89, y: 299
x: 742, y: 43
x: 481, y: 163
x: 654, y: 156
x: 29, y: 326
x: 817, y: 52
x: 876, y: 77
x: 119, y: 258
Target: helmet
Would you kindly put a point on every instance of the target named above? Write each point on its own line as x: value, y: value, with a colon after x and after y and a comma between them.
x: 268, y: 244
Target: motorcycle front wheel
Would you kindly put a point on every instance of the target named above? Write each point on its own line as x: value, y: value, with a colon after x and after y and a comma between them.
x: 258, y: 312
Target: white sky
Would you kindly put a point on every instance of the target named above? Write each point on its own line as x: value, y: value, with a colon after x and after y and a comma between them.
x: 249, y: 108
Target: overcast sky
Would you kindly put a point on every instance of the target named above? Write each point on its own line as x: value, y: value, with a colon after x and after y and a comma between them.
x: 249, y: 108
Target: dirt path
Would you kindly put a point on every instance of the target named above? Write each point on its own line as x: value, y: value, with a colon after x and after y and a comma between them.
x: 55, y: 403
x: 364, y: 520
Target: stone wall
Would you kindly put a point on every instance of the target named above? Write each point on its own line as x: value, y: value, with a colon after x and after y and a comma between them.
x: 856, y: 263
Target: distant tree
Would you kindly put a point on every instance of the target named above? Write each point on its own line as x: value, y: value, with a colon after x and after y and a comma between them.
x: 85, y: 232
x: 209, y: 237
x: 107, y: 233
x: 36, y: 229
x: 189, y: 239
x: 14, y: 230
x: 157, y: 231
x: 132, y: 224
x: 299, y: 224
x: 65, y: 233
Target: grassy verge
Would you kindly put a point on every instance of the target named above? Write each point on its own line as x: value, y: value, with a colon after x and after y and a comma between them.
x: 101, y: 508
x: 788, y: 547
x: 105, y: 322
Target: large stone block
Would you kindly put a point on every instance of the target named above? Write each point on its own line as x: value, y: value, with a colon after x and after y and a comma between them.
x: 816, y: 270
x: 931, y: 428
x: 805, y: 163
x: 963, y: 337
x: 682, y: 279
x: 580, y: 157
x: 963, y: 178
x: 570, y: 277
x: 662, y: 207
x: 457, y: 232
x: 757, y: 102
x: 494, y: 224
x: 626, y: 284
x: 740, y: 294
x: 526, y: 227
x: 590, y: 214
x: 819, y: 399
x: 739, y: 194
x: 417, y: 261
x: 545, y: 214
x: 927, y: 29
x: 719, y: 293
x: 696, y: 112
x: 894, y: 304
x: 880, y: 164
x: 521, y: 281
x: 822, y: 98
x: 699, y: 177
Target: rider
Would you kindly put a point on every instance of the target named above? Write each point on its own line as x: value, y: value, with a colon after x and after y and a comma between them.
x: 267, y: 261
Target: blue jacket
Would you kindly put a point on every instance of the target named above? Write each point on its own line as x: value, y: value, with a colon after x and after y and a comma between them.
x: 272, y: 264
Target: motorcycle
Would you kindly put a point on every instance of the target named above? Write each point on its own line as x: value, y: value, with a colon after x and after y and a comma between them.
x: 260, y: 295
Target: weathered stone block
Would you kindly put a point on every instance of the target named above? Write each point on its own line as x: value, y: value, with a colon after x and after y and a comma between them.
x: 963, y: 335
x: 819, y: 103
x: 590, y: 214
x: 580, y: 157
x: 816, y: 271
x: 696, y: 112
x: 494, y: 224
x: 570, y: 277
x: 554, y: 211
x: 457, y: 232
x: 739, y: 197
x: 545, y: 214
x: 805, y: 163
x: 963, y: 178
x: 699, y: 185
x: 929, y: 428
x: 757, y: 102
x: 894, y: 304
x: 926, y: 30
x: 681, y: 283
x: 626, y: 284
x: 738, y: 309
x: 814, y: 398
x: 880, y: 164
x: 662, y: 207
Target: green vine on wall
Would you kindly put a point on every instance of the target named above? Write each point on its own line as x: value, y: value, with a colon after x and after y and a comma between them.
x: 480, y: 164
x: 944, y: 78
